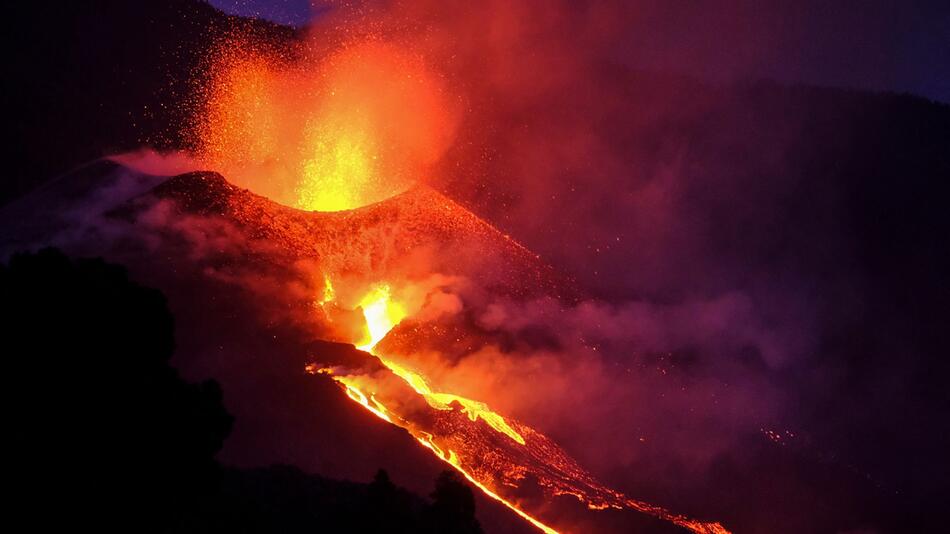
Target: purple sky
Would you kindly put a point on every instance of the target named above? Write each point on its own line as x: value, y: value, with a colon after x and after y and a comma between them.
x: 866, y: 44
x: 293, y: 12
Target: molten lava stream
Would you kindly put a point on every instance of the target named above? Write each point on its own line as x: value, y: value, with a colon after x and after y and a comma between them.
x: 382, y: 315
x: 453, y: 461
x: 561, y: 475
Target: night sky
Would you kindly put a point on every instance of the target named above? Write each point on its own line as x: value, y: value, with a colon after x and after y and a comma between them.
x: 292, y: 12
x: 871, y: 44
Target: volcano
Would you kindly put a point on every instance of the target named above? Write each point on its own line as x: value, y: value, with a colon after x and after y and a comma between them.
x: 402, y: 254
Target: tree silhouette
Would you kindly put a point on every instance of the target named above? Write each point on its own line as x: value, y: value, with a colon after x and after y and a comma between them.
x: 390, y: 507
x: 453, y: 507
x: 103, y: 432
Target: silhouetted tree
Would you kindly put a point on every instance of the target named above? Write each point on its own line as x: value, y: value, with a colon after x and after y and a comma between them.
x: 381, y: 487
x: 453, y: 507
x: 104, y: 434
x: 390, y: 507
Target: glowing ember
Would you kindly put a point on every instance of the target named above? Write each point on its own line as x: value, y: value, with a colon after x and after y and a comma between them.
x: 339, y: 173
x: 328, y: 292
x: 331, y: 134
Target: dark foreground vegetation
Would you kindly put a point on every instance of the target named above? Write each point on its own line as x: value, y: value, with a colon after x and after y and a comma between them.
x: 105, y: 436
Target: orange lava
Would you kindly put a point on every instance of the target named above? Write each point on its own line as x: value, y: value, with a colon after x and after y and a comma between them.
x: 363, y: 258
x: 544, y: 458
x: 355, y: 127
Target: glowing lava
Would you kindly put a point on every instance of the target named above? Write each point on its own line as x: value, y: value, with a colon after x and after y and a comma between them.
x: 503, y: 457
x: 322, y: 134
x: 560, y: 475
x: 381, y: 314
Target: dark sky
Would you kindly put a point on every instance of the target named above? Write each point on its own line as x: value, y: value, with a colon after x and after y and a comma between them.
x: 293, y: 12
x: 867, y: 44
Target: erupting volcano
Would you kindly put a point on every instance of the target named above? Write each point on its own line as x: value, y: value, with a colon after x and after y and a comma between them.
x: 355, y: 131
x: 369, y: 295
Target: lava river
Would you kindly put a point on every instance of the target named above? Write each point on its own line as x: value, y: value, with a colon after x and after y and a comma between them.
x: 493, y: 452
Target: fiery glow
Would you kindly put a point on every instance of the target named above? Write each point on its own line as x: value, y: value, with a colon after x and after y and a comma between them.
x: 382, y: 314
x: 377, y: 409
x: 342, y: 167
x: 452, y: 459
x: 335, y: 131
x: 328, y: 292
x: 328, y: 134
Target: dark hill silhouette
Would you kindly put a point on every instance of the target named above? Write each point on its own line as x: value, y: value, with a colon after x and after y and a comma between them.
x: 92, y: 78
x: 101, y: 428
x: 285, y: 499
x: 105, y: 436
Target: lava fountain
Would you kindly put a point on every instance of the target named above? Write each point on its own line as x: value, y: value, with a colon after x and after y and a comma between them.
x: 358, y: 126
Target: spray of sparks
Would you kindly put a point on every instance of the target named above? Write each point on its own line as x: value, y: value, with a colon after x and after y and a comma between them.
x: 322, y: 134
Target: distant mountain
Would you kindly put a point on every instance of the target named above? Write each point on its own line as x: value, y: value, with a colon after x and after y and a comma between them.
x: 92, y: 78
x: 286, y: 499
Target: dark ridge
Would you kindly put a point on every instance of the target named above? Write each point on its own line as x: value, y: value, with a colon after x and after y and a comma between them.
x: 200, y: 192
x: 104, y: 76
x: 285, y: 499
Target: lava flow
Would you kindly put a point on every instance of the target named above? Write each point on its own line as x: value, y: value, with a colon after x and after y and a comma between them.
x: 381, y: 315
x: 465, y: 445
